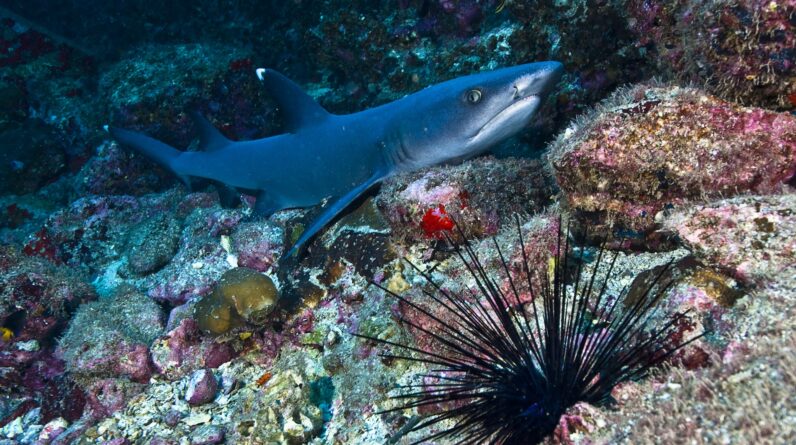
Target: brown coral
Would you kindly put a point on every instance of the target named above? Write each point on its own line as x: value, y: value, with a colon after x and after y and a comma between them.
x: 241, y: 295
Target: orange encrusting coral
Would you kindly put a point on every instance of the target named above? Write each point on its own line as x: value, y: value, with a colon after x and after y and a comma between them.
x: 263, y: 379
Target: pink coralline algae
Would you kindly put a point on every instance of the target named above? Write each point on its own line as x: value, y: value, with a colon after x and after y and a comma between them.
x: 107, y: 396
x: 184, y: 350
x: 258, y: 245
x: 579, y: 419
x: 742, y: 50
x: 752, y: 237
x: 86, y: 232
x: 480, y: 196
x: 651, y: 148
x: 202, y: 387
x: 37, y: 299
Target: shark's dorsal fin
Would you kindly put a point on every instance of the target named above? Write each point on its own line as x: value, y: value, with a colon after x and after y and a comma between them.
x: 210, y: 139
x: 298, y: 108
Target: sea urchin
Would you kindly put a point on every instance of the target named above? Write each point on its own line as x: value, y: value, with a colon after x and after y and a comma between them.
x: 504, y: 371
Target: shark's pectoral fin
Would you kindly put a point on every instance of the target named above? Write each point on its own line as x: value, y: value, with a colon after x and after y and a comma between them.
x: 299, y: 108
x: 210, y: 139
x: 331, y: 212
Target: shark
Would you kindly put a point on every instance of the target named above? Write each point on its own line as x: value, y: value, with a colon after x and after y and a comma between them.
x: 323, y: 156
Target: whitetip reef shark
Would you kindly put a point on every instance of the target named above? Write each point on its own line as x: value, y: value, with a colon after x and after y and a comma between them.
x: 324, y: 155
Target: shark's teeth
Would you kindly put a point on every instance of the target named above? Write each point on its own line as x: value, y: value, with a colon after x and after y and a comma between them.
x: 260, y: 73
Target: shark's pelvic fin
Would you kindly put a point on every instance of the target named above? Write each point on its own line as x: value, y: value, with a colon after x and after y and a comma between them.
x: 333, y: 210
x: 298, y: 108
x: 210, y: 139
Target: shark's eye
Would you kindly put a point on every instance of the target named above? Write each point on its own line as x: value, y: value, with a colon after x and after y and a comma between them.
x: 473, y: 96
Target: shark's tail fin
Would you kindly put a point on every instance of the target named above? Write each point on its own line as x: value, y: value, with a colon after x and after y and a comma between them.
x: 159, y: 152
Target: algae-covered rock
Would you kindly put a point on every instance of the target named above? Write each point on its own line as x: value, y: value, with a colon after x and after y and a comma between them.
x: 751, y: 237
x: 651, y: 148
x: 153, y: 245
x: 481, y: 195
x: 111, y: 338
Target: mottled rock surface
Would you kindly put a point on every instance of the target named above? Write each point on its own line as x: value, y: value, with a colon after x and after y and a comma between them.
x: 751, y: 237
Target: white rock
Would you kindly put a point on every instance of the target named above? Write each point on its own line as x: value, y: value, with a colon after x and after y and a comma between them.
x: 197, y: 419
x: 13, y: 428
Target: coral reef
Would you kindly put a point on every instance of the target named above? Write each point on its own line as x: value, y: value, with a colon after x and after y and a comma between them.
x: 37, y: 298
x: 500, y: 376
x: 184, y: 350
x: 279, y: 411
x: 651, y: 148
x: 697, y: 180
x: 215, y: 80
x: 744, y: 397
x: 37, y: 301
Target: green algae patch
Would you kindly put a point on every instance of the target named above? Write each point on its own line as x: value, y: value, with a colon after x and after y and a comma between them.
x: 241, y: 296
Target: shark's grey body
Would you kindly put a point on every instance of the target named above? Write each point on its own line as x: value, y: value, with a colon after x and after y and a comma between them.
x: 324, y: 155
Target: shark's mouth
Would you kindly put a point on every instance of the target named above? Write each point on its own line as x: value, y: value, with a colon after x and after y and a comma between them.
x: 510, y: 119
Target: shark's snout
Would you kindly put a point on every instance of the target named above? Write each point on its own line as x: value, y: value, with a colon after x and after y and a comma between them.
x: 540, y: 82
x: 553, y: 75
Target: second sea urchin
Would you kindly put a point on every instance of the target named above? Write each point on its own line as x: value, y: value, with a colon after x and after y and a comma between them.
x: 504, y: 372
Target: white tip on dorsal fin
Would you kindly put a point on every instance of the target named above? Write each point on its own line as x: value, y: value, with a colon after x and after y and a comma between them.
x: 299, y: 109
